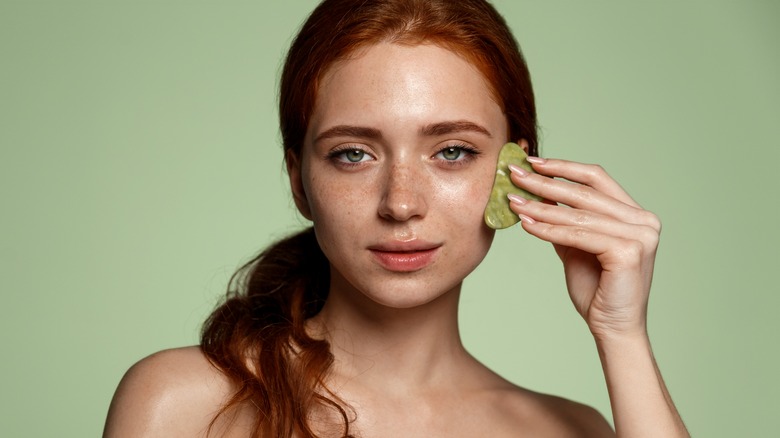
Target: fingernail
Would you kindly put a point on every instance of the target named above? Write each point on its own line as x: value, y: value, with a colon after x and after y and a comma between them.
x: 536, y: 160
x: 517, y: 170
x: 517, y: 199
x: 526, y: 219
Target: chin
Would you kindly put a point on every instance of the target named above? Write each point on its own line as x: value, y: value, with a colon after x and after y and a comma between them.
x: 398, y: 290
x: 408, y: 299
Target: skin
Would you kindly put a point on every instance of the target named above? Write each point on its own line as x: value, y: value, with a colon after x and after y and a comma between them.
x: 607, y: 244
x: 404, y: 191
x: 392, y: 325
x: 394, y: 334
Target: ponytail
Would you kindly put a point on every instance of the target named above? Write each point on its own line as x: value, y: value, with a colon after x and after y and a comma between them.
x: 257, y: 337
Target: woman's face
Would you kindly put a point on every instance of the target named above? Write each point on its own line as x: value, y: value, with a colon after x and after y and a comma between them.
x: 396, y: 169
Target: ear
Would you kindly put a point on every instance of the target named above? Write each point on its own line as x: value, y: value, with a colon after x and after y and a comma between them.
x: 296, y: 183
x: 523, y: 144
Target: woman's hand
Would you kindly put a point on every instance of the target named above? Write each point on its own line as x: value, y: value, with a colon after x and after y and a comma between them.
x: 606, y: 241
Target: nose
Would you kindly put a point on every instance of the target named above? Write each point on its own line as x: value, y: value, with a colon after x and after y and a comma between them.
x: 404, y: 194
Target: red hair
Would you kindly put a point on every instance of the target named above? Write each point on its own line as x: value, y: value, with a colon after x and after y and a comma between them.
x: 257, y: 337
x: 471, y: 28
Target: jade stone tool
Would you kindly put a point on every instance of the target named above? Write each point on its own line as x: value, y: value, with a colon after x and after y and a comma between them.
x: 497, y: 213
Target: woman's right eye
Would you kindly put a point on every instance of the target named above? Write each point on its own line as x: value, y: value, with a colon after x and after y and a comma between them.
x: 351, y: 156
x: 354, y: 156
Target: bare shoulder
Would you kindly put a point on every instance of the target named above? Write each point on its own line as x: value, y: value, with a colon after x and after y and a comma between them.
x: 548, y: 415
x: 171, y: 393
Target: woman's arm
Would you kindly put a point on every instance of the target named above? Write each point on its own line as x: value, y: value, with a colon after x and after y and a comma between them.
x: 641, y: 404
x: 607, y: 244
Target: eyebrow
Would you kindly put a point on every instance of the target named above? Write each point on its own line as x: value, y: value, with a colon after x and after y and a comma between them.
x: 432, y: 130
x: 444, y: 128
x: 349, y: 131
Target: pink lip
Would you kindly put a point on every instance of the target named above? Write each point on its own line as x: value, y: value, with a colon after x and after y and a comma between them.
x: 405, y: 256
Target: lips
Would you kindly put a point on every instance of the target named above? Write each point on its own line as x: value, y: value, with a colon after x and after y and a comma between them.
x: 405, y: 256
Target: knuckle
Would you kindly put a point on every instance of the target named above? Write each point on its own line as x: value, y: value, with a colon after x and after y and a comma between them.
x: 649, y: 237
x: 653, y: 221
x: 631, y: 252
x: 546, y: 183
x: 583, y: 193
x: 579, y: 234
x: 581, y: 219
x: 596, y: 172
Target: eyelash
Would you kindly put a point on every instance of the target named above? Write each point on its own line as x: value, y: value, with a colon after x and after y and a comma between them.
x: 338, y: 155
x: 470, y: 152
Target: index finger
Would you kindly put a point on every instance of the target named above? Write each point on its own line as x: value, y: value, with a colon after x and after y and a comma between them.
x: 591, y: 175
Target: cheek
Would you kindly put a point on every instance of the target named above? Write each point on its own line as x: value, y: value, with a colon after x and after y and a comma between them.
x: 469, y: 237
x: 467, y: 196
x: 464, y: 200
x: 336, y: 202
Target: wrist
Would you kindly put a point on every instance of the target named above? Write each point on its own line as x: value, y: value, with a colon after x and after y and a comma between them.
x: 617, y: 332
x: 622, y: 341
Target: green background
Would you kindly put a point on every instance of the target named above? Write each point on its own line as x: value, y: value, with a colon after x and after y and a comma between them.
x: 140, y: 165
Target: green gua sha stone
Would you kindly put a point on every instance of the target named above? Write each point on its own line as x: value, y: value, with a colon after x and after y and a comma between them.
x: 497, y: 213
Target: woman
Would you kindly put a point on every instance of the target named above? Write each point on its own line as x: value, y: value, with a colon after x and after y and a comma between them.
x: 392, y: 115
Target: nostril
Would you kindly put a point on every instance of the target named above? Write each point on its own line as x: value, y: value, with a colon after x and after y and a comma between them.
x: 402, y: 205
x: 404, y: 194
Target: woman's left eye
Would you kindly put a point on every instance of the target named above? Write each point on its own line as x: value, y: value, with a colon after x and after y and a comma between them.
x: 455, y: 153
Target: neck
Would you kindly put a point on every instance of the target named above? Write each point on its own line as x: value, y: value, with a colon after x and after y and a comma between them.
x: 390, y: 348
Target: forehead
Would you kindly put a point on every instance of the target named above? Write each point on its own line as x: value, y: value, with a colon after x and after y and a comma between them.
x: 416, y: 82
